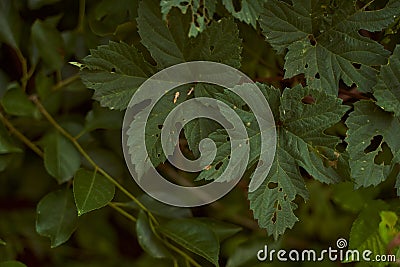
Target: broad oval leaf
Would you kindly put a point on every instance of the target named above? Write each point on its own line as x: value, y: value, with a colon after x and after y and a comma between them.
x: 194, y: 236
x: 57, y: 216
x: 223, y: 230
x: 9, y: 23
x: 16, y: 102
x: 149, y: 242
x: 49, y: 44
x: 61, y: 158
x: 91, y: 191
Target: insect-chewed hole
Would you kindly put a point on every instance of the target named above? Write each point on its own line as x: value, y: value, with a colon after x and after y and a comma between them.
x: 357, y: 66
x: 219, y: 165
x: 374, y: 144
x: 308, y: 100
x: 237, y: 5
x: 272, y: 185
x: 313, y: 42
x: 317, y: 76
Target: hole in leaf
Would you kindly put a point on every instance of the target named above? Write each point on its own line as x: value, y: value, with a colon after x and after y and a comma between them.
x: 313, y: 42
x: 218, y: 165
x: 308, y: 100
x: 113, y: 70
x: 279, y: 207
x: 160, y: 126
x: 357, y: 66
x: 306, y: 66
x: 274, y: 218
x: 317, y: 75
x: 184, y: 3
x: 375, y: 143
x: 272, y: 185
x: 228, y: 139
x: 229, y: 157
x: 384, y: 156
x: 237, y: 5
x: 158, y: 155
x: 212, y: 48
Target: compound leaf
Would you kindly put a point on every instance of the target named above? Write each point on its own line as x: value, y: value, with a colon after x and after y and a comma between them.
x: 272, y: 202
x: 115, y: 71
x: 169, y: 45
x: 387, y: 90
x: 249, y: 11
x: 323, y: 41
x: 370, y: 128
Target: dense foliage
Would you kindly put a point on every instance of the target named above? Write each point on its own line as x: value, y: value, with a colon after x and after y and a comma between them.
x: 329, y: 69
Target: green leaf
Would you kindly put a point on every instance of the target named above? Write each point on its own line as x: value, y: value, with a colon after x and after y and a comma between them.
x: 221, y: 229
x: 16, y: 102
x: 115, y: 71
x: 249, y: 10
x: 387, y: 226
x: 91, y: 191
x: 194, y: 236
x: 149, y: 242
x: 103, y: 118
x: 9, y: 23
x: 169, y: 45
x: 105, y: 16
x: 12, y: 264
x: 201, y: 14
x: 61, y: 158
x: 6, y: 143
x: 323, y: 41
x: 49, y: 44
x: 370, y: 128
x: 350, y: 199
x: 301, y: 143
x: 365, y: 231
x: 387, y: 90
x: 57, y: 216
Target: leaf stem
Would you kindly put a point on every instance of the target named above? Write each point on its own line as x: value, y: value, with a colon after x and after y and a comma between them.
x: 52, y: 121
x: 82, y: 6
x: 122, y: 212
x: 65, y: 82
x: 24, y: 66
x: 20, y: 136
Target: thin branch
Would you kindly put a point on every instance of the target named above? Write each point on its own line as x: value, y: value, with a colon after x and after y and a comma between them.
x: 52, y: 121
x: 20, y: 136
x: 122, y: 212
